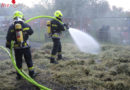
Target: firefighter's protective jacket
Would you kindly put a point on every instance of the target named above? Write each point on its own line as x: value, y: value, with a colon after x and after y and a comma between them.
x: 56, y: 28
x: 11, y: 35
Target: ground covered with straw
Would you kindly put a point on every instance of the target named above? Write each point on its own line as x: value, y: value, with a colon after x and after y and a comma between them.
x: 108, y: 70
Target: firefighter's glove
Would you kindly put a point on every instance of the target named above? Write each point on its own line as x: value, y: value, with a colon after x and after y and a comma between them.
x: 66, y: 26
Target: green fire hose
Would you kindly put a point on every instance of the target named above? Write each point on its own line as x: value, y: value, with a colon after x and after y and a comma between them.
x: 22, y: 72
x: 43, y: 17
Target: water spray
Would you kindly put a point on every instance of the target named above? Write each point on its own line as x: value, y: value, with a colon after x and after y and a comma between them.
x: 84, y: 41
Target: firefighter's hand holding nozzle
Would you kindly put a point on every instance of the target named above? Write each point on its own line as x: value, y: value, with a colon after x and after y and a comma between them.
x: 66, y: 26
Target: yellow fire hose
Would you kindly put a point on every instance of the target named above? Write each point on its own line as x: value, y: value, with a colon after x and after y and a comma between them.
x: 22, y: 72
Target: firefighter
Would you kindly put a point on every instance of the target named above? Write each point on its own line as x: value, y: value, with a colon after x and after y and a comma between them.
x: 54, y: 30
x: 19, y: 32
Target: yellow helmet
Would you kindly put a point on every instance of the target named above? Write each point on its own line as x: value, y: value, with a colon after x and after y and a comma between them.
x: 18, y: 14
x: 58, y: 14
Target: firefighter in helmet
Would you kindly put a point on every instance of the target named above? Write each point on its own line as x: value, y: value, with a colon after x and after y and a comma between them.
x: 19, y: 32
x: 55, y: 27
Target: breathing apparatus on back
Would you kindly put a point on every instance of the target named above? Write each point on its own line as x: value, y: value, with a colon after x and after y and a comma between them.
x: 57, y: 15
x: 18, y: 26
x: 19, y: 32
x: 49, y: 28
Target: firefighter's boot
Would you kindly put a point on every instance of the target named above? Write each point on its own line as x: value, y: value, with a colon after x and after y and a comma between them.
x: 18, y: 77
x: 52, y: 60
x: 59, y: 57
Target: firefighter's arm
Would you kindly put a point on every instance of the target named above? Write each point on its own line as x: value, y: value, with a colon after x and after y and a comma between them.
x: 61, y: 26
x: 28, y: 30
x: 9, y: 37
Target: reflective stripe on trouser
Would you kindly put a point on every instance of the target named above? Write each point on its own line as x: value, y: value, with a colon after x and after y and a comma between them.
x: 53, y: 56
x: 31, y: 68
x: 31, y: 71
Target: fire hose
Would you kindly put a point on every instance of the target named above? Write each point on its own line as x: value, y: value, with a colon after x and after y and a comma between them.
x: 22, y: 72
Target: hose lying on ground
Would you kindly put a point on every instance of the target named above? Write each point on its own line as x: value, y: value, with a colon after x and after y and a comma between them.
x: 22, y: 72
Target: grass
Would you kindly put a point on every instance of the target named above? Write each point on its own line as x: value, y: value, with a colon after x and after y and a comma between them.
x: 108, y: 70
